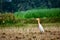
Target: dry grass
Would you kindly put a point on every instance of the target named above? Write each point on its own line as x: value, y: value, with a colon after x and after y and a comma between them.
x: 30, y: 33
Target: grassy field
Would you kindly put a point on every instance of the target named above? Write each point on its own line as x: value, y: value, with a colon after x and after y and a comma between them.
x: 41, y: 13
x: 27, y: 17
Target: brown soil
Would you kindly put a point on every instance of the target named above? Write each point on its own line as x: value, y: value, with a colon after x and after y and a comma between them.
x: 30, y: 33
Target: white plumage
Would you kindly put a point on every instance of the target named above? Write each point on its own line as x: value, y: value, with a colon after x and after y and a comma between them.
x: 41, y: 28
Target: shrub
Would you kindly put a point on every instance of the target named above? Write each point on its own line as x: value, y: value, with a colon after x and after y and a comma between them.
x: 7, y: 18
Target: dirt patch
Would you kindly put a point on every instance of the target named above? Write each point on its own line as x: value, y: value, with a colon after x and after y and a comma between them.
x: 30, y: 33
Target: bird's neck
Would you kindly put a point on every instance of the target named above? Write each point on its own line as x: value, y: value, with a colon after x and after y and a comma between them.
x: 38, y: 21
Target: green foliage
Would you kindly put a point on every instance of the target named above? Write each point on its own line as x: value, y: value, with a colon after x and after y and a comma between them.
x: 21, y: 17
x: 7, y: 18
x: 39, y: 13
x: 17, y: 5
x: 20, y: 14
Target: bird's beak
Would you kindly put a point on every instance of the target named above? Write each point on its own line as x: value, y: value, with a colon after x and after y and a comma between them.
x: 37, y: 18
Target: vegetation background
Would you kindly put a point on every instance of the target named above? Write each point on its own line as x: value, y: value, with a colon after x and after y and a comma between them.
x: 25, y: 11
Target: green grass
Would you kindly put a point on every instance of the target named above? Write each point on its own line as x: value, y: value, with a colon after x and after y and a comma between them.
x: 41, y: 13
x: 18, y: 25
x: 21, y: 18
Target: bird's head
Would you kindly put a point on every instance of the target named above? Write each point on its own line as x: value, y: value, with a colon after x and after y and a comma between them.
x: 38, y: 19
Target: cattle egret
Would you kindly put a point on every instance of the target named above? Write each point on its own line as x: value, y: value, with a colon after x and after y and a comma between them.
x: 40, y: 26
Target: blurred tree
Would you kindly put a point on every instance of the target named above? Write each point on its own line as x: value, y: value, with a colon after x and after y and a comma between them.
x: 22, y: 5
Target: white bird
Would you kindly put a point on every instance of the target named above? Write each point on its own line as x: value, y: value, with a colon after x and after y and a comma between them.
x: 40, y: 26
